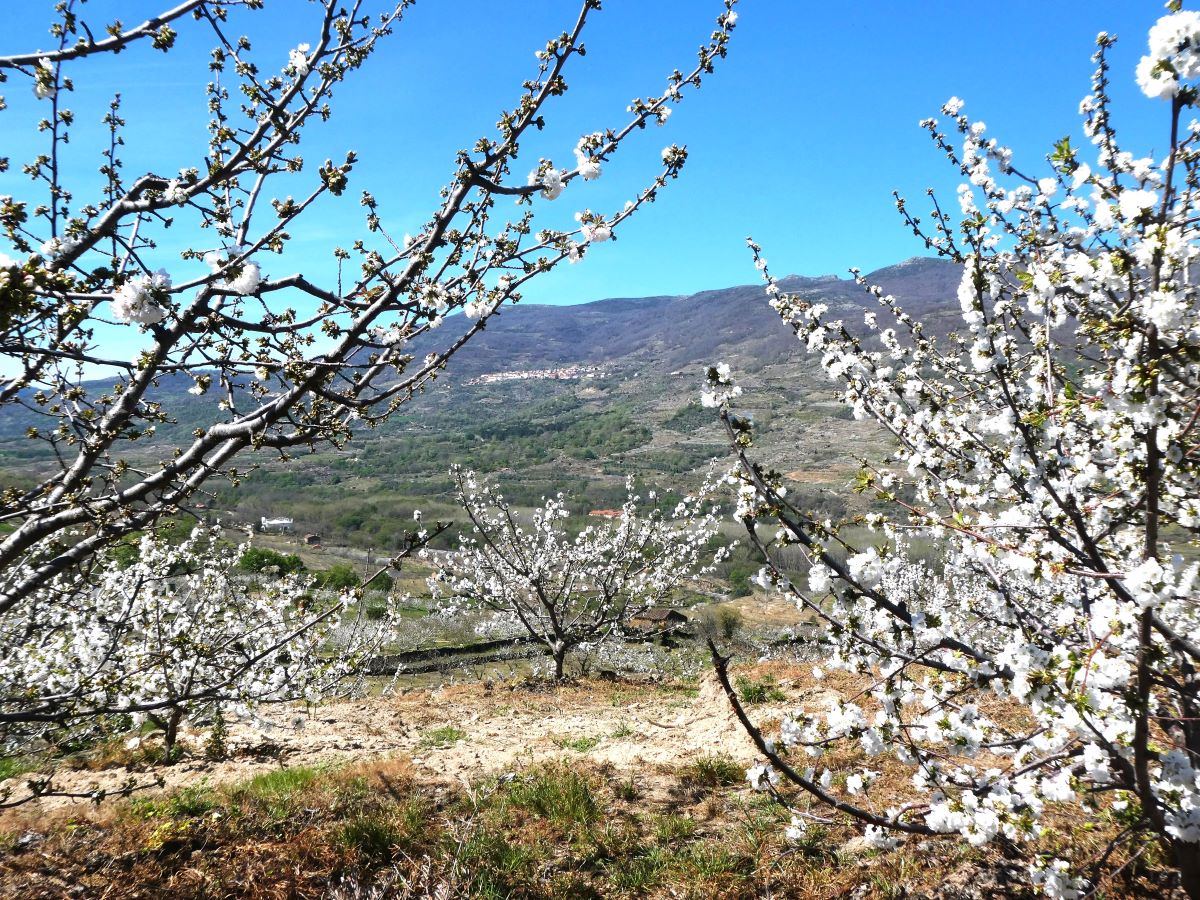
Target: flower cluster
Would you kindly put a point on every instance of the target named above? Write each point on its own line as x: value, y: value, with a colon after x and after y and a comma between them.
x: 1056, y: 881
x: 552, y: 181
x: 246, y: 274
x: 298, y: 59
x: 176, y: 191
x: 720, y: 386
x: 587, y: 165
x: 137, y: 302
x: 1174, y: 56
x: 43, y: 80
x: 596, y: 232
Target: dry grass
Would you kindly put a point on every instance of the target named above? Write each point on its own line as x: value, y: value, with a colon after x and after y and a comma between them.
x: 577, y: 826
x: 554, y: 830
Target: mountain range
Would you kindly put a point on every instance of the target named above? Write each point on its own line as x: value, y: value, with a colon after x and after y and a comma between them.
x: 627, y: 405
x: 667, y: 333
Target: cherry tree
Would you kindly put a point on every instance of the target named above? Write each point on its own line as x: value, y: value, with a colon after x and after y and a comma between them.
x: 172, y: 633
x: 289, y: 362
x: 1048, y: 660
x: 571, y: 591
x: 274, y: 363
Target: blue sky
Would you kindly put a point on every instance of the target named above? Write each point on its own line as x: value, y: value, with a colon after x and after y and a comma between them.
x: 799, y: 138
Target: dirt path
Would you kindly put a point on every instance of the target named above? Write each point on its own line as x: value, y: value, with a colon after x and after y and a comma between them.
x: 634, y: 727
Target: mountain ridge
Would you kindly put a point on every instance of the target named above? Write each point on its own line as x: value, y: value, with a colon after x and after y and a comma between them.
x: 653, y: 337
x: 674, y: 330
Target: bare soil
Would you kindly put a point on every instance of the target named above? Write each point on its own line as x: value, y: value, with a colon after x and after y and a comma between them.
x: 635, y: 727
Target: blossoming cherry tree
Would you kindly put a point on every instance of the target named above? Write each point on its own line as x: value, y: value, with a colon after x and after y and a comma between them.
x: 571, y: 591
x: 1049, y: 447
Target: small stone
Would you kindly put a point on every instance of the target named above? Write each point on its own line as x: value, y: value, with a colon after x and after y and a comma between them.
x: 856, y: 846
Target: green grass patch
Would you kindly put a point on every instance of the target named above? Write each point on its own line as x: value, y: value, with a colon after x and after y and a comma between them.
x: 671, y: 828
x: 689, y: 691
x: 580, y: 744
x: 498, y: 866
x: 641, y: 874
x: 713, y: 772
x: 12, y: 766
x: 759, y: 690
x: 546, y: 832
x: 374, y: 838
x: 185, y: 803
x: 815, y: 844
x: 556, y: 793
x: 440, y: 738
x: 709, y: 861
x: 626, y: 789
x: 622, y: 697
x: 276, y: 795
x: 279, y: 783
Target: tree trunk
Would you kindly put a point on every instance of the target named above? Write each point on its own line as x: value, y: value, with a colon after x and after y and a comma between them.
x: 171, y: 735
x: 1187, y: 858
x: 560, y: 657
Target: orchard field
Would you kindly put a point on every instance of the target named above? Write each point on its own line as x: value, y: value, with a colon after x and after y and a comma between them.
x: 345, y: 553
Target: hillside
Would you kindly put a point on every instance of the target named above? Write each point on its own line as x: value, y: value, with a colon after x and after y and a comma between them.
x: 666, y: 333
x: 627, y: 404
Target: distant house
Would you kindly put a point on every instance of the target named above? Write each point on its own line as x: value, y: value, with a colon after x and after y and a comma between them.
x: 606, y: 513
x: 657, y: 618
x: 276, y: 525
x: 312, y: 540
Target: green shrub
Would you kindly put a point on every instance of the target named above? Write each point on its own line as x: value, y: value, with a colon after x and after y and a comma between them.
x: 338, y: 577
x: 720, y: 621
x: 728, y: 620
x: 216, y: 747
x: 739, y: 581
x: 259, y: 559
x: 382, y: 581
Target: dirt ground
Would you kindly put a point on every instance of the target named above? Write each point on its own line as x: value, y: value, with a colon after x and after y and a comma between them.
x: 637, y: 727
x: 769, y: 609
